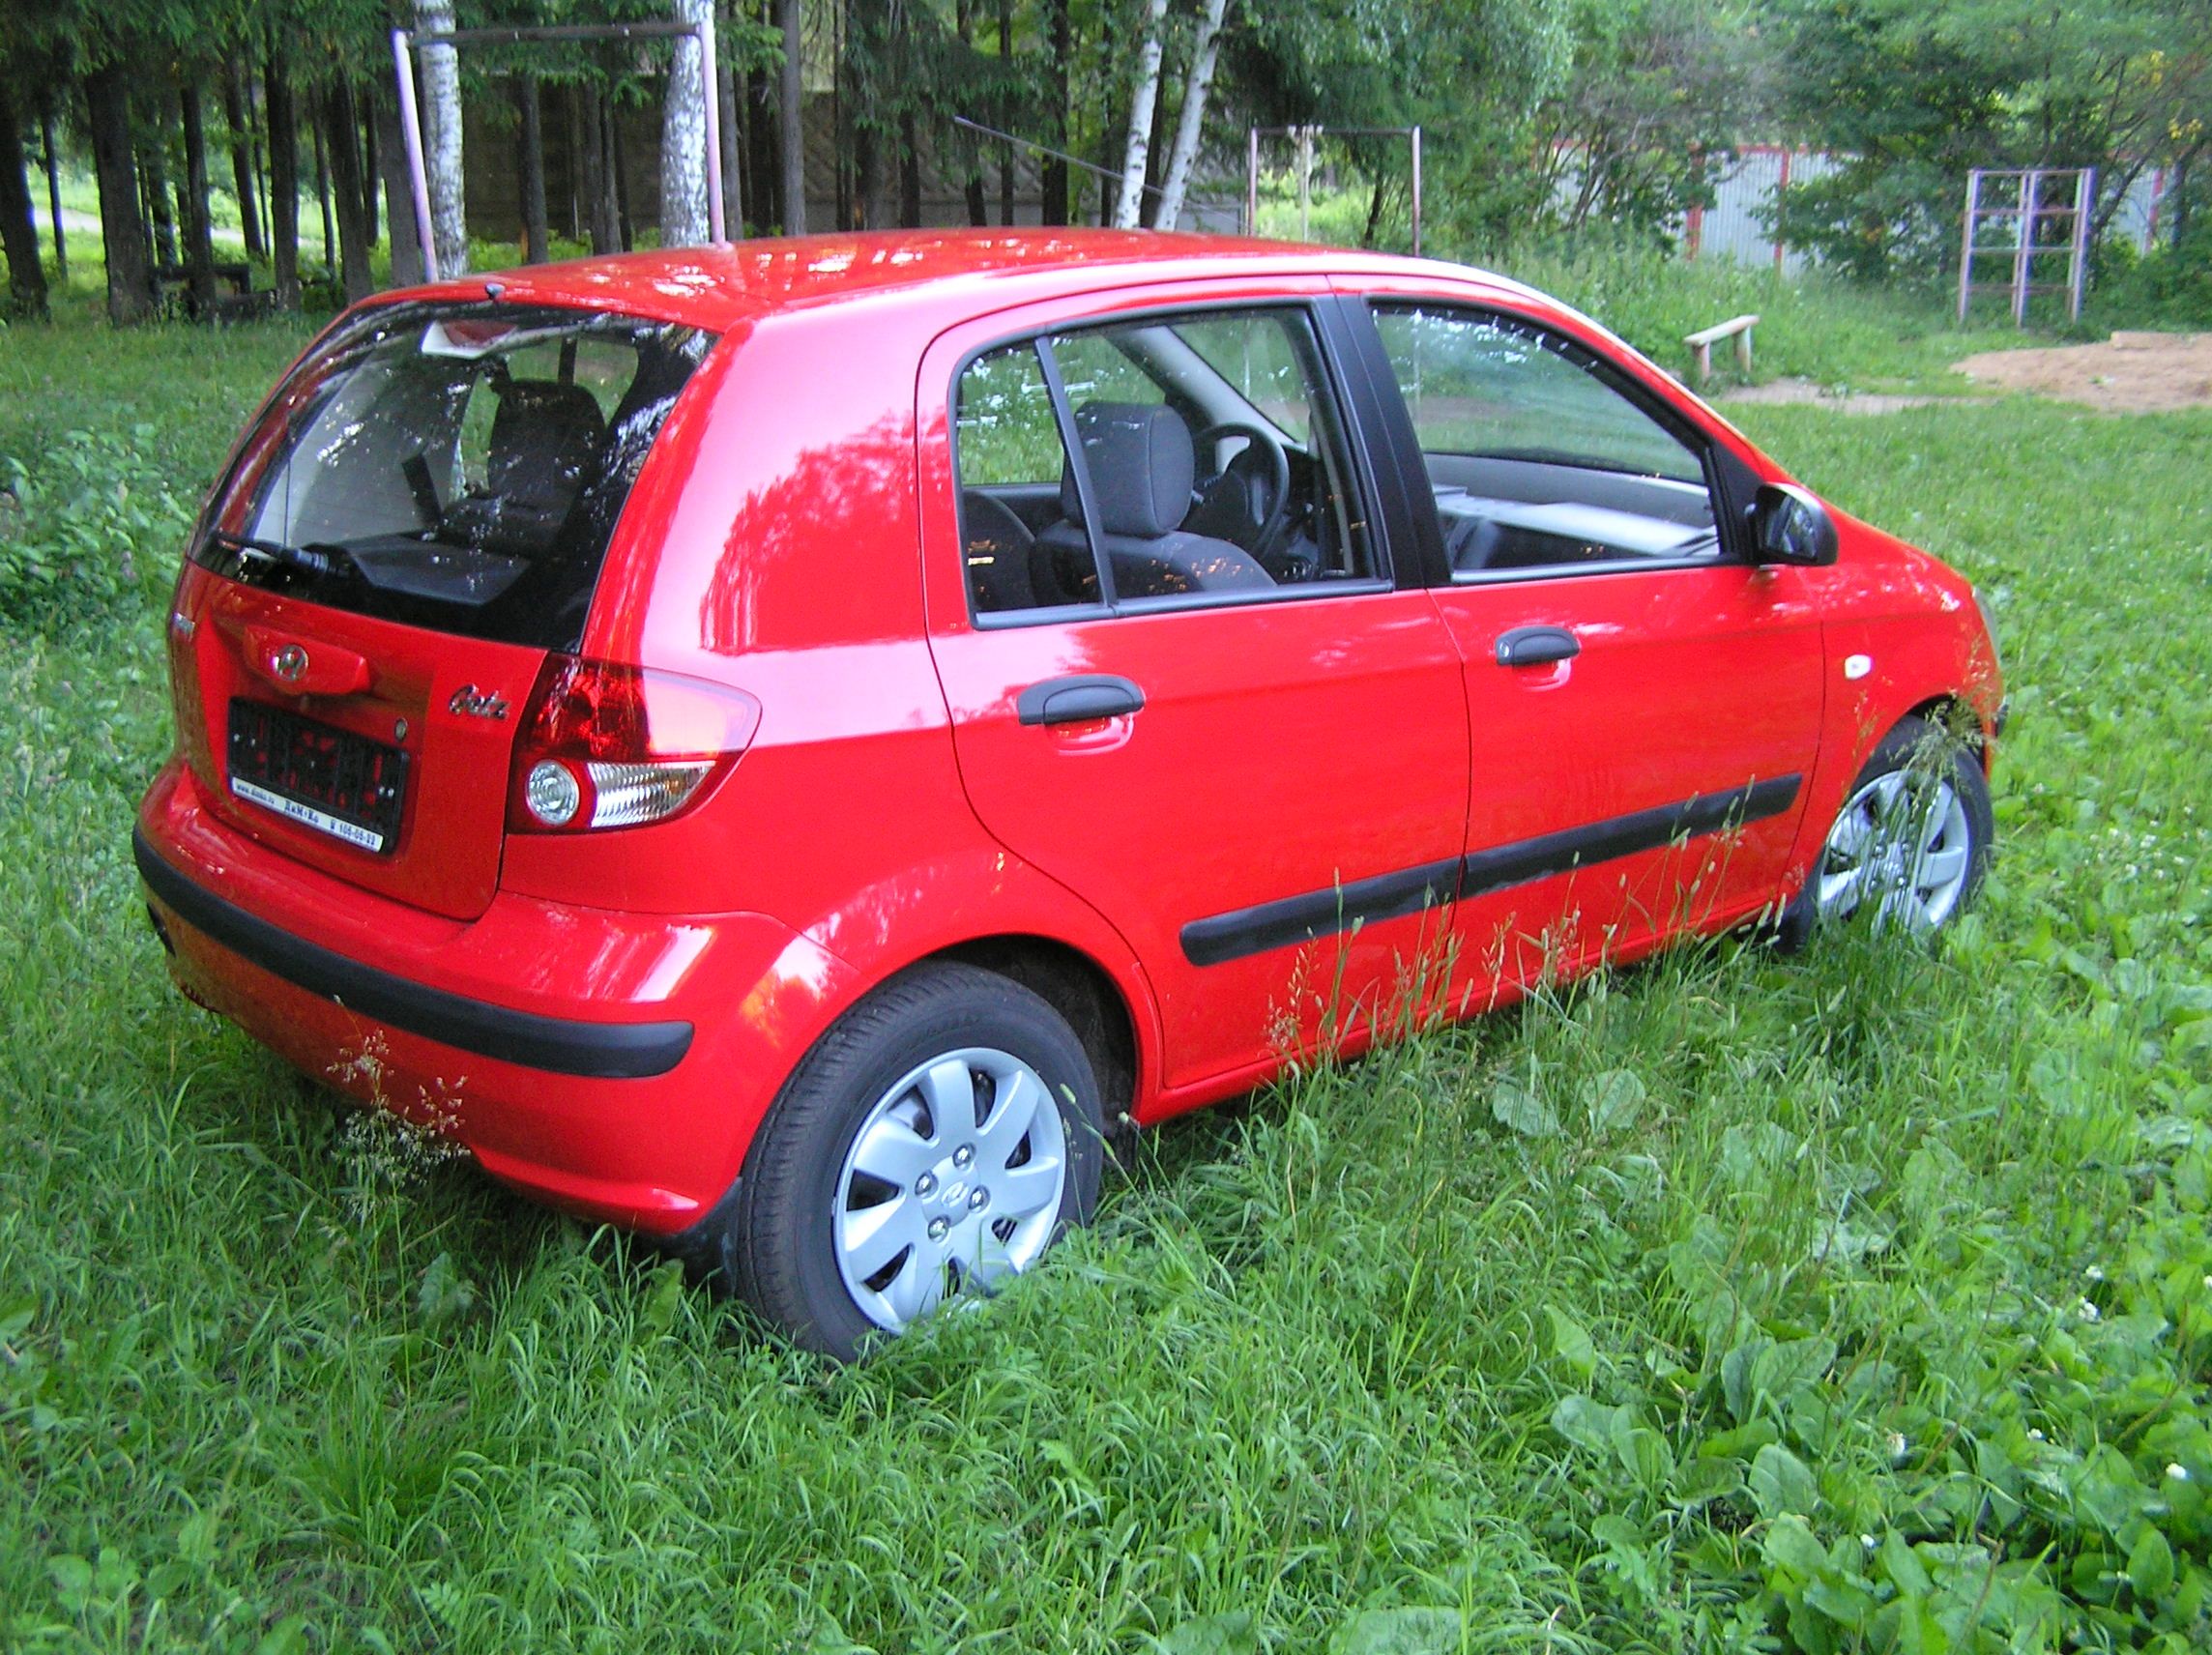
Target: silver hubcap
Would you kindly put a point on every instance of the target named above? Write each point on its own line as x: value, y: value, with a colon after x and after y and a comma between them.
x: 1902, y: 844
x: 953, y: 1180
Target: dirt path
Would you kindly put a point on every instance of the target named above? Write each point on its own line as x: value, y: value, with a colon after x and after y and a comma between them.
x: 1804, y: 391
x: 2129, y: 373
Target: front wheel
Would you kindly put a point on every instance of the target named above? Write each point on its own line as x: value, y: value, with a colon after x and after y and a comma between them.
x: 933, y: 1144
x: 1911, y: 843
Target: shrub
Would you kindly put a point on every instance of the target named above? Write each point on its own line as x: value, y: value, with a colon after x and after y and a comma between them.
x: 87, y: 526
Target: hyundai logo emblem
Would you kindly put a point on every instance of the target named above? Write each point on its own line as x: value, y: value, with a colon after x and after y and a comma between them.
x: 290, y: 663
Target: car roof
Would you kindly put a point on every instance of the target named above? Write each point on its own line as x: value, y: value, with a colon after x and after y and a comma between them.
x: 719, y: 287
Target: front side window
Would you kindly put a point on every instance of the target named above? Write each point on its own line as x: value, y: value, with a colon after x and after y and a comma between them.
x: 1536, y: 459
x: 1197, y: 456
x: 455, y: 467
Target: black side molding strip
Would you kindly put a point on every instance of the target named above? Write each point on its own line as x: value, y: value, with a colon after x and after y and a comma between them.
x: 598, y: 1051
x: 1317, y: 913
x: 1518, y: 863
x: 1232, y: 936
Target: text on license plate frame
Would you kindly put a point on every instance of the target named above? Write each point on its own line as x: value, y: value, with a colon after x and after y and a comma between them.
x: 355, y: 787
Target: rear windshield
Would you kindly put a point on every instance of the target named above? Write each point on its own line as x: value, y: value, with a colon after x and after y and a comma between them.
x: 454, y: 467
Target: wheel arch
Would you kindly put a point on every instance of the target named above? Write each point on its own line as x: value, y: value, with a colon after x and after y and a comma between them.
x: 1955, y: 711
x: 1078, y: 987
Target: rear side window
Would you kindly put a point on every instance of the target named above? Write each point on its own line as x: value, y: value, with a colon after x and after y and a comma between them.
x: 1208, y: 451
x: 455, y: 467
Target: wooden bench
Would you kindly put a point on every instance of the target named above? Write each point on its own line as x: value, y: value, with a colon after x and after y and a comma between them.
x: 1701, y: 344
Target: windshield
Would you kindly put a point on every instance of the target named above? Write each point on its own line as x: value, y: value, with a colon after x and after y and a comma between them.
x: 455, y: 467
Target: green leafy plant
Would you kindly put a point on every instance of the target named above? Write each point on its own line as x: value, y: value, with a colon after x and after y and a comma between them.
x: 87, y: 524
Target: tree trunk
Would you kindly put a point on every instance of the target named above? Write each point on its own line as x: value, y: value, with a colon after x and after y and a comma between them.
x: 19, y: 228
x: 122, y: 229
x: 792, y: 109
x: 199, y: 236
x: 530, y: 169
x: 371, y: 171
x: 322, y: 196
x: 442, y: 139
x: 978, y: 209
x: 242, y: 161
x: 283, y: 177
x: 341, y: 127
x: 1190, y: 126
x: 1373, y: 214
x: 54, y: 187
x: 1060, y: 31
x: 572, y: 123
x: 732, y: 135
x: 684, y: 139
x: 398, y: 195
x: 162, y: 206
x: 598, y: 186
x: 1006, y: 155
x: 1156, y: 153
x: 910, y: 174
x: 618, y: 170
x: 764, y: 172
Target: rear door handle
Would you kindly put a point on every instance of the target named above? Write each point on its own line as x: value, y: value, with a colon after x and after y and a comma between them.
x: 1075, y: 700
x: 1534, y: 646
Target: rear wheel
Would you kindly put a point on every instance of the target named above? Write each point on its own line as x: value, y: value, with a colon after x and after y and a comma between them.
x: 933, y: 1144
x: 1911, y: 845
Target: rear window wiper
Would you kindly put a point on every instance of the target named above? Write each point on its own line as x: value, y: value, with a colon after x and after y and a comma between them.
x: 316, y: 557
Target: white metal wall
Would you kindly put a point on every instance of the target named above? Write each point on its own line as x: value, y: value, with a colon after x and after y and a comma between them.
x: 1731, y: 228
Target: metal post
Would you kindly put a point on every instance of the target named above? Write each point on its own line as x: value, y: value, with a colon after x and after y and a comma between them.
x: 1416, y: 137
x: 2077, y: 267
x: 1781, y: 189
x: 411, y: 136
x: 1252, y: 181
x: 1305, y: 181
x: 715, y: 228
x: 2027, y: 241
x: 1966, y: 241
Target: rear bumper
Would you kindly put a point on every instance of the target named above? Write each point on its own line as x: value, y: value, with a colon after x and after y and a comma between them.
x: 606, y: 1051
x: 613, y: 1064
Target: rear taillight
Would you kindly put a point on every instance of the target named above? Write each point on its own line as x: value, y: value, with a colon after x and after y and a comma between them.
x: 605, y: 745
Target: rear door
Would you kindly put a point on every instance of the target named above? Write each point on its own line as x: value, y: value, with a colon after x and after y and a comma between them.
x: 418, y: 519
x: 1188, y: 686
x: 1644, y: 701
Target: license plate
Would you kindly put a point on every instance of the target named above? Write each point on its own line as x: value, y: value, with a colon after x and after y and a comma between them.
x: 328, y: 779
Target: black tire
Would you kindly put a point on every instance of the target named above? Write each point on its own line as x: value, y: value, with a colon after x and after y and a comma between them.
x: 1915, y: 743
x: 777, y: 1243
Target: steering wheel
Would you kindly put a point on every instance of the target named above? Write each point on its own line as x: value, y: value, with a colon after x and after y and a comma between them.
x: 1242, y: 503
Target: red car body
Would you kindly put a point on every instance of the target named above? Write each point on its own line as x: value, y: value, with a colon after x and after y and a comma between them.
x: 605, y: 1018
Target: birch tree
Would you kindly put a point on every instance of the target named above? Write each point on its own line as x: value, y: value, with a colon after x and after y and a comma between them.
x: 442, y: 139
x: 1189, y: 127
x: 1129, y: 207
x: 684, y: 138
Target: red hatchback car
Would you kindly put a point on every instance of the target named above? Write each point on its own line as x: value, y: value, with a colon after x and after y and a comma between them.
x: 784, y: 748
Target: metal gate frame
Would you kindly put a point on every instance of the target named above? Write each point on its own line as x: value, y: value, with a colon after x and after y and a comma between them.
x: 404, y: 41
x: 2026, y: 213
x: 1305, y: 136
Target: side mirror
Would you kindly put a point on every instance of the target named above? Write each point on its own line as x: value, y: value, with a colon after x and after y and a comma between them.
x: 1788, y: 526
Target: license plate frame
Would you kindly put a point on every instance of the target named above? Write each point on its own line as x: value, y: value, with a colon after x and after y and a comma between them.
x: 336, y: 782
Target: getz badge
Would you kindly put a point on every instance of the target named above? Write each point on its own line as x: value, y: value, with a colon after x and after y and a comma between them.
x: 478, y: 704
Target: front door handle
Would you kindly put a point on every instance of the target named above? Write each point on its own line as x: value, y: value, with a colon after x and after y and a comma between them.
x: 1079, y: 699
x: 1535, y: 645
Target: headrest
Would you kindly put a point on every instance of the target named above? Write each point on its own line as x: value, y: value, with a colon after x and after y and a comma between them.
x: 542, y: 434
x: 1142, y: 465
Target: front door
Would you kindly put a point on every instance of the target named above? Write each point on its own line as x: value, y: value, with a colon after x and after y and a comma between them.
x: 1643, y: 703
x: 1181, y: 678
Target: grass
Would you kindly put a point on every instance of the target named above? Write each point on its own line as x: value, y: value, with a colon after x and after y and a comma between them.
x: 1855, y: 1301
